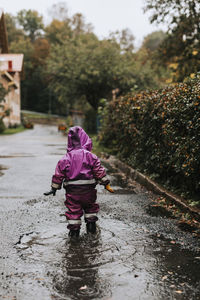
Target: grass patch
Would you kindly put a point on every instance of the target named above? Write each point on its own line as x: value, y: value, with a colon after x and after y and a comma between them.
x: 38, y: 116
x: 13, y: 130
x: 35, y: 116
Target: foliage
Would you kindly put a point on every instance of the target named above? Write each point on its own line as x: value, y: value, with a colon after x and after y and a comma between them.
x: 35, y: 95
x: 90, y: 120
x: 59, y: 11
x: 181, y: 45
x: 151, y: 61
x: 3, y: 93
x: 14, y: 33
x: 92, y: 69
x: 65, y: 62
x: 97, y: 147
x: 31, y: 22
x: 153, y: 40
x: 158, y: 133
x: 124, y: 38
x: 58, y: 31
x: 89, y: 67
x: 2, y: 126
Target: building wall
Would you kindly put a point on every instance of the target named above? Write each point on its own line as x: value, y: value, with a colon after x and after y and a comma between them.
x: 12, y: 101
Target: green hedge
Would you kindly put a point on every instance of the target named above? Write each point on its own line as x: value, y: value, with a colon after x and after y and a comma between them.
x: 158, y: 132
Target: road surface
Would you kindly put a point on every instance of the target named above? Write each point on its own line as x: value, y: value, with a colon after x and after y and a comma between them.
x: 134, y: 255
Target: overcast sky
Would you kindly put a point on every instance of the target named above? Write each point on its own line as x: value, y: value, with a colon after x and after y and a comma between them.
x: 105, y: 15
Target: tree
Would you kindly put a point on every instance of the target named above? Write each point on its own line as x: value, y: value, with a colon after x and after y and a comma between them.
x: 41, y: 51
x: 58, y: 31
x: 31, y: 22
x: 181, y: 46
x: 85, y: 66
x: 78, y: 24
x: 67, y: 66
x: 150, y: 62
x: 124, y: 38
x: 153, y: 40
x: 59, y: 12
x: 14, y: 33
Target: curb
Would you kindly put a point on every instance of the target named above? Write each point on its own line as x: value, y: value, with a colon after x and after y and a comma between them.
x: 152, y: 186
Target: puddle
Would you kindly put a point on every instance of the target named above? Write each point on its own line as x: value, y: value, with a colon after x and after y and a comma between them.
x: 179, y: 270
x: 118, y: 262
x: 79, y: 276
x: 2, y: 168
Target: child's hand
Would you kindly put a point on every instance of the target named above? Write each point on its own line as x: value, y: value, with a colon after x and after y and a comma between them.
x: 51, y: 192
x: 104, y: 181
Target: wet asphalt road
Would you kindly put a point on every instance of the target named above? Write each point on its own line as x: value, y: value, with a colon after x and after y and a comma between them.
x: 134, y: 255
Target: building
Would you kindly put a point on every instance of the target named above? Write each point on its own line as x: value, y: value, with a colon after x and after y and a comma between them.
x: 77, y: 117
x: 10, y: 69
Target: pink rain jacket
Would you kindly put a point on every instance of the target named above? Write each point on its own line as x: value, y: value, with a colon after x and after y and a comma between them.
x: 79, y: 164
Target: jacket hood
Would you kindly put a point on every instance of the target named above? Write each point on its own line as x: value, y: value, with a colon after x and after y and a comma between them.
x: 78, y: 139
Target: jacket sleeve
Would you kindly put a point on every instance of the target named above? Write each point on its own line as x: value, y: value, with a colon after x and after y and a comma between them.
x: 99, y: 171
x: 60, y: 174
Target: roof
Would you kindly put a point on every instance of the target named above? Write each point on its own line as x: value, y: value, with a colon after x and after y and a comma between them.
x: 17, y: 62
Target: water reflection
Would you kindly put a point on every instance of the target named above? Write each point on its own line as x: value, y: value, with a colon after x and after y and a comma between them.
x: 78, y: 277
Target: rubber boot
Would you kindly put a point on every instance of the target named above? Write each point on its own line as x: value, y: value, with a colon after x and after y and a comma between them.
x: 91, y: 227
x: 74, y: 233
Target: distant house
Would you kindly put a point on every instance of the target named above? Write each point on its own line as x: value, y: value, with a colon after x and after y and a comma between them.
x: 10, y: 69
x: 77, y: 117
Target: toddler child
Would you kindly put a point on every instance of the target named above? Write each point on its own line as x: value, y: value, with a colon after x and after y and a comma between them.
x: 79, y: 171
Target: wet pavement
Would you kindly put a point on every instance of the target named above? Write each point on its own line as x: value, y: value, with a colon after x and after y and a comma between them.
x: 136, y: 253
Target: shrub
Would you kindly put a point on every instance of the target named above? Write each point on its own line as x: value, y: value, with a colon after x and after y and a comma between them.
x: 2, y: 126
x: 158, y: 132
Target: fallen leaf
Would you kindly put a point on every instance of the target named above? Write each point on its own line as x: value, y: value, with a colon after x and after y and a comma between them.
x: 83, y: 287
